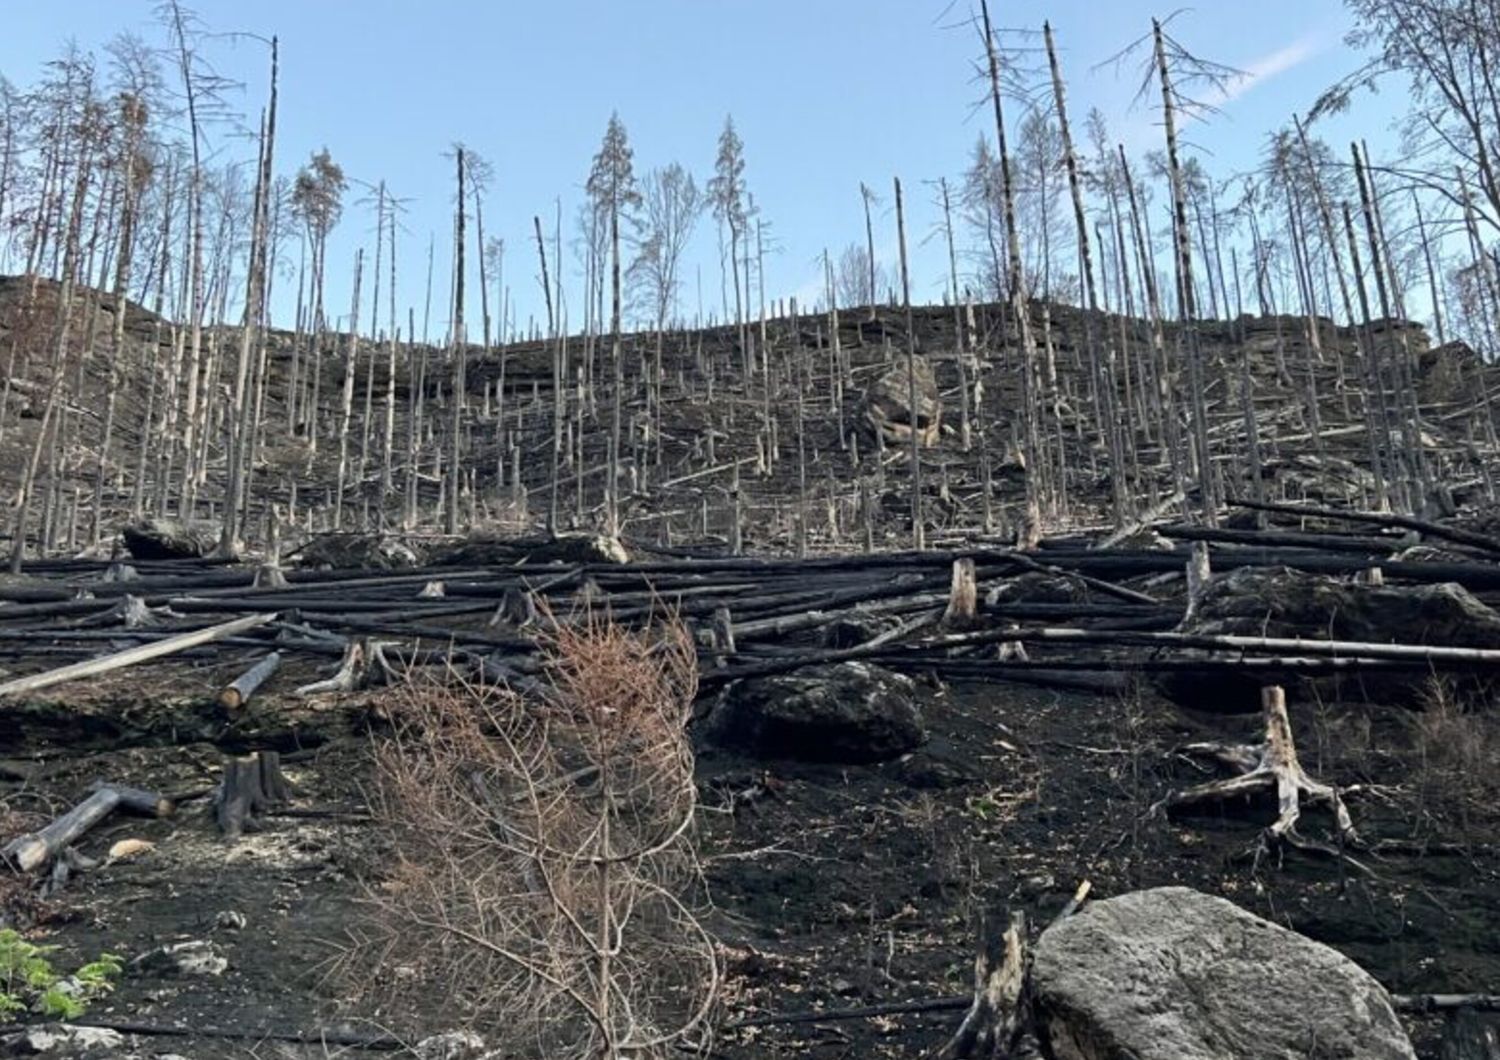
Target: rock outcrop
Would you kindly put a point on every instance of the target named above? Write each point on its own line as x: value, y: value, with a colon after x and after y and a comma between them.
x: 888, y: 404
x: 161, y: 538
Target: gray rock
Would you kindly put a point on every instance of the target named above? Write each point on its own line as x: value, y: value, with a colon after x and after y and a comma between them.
x: 580, y: 548
x: 455, y: 1045
x: 1173, y: 974
x: 194, y: 958
x: 850, y: 712
x: 61, y: 1039
x: 888, y: 403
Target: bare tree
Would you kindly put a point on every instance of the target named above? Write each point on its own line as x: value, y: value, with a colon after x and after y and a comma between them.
x: 856, y: 280
x: 1447, y: 51
x: 671, y: 205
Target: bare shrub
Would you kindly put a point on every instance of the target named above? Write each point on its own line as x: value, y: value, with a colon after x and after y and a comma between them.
x: 541, y: 868
x: 1455, y: 750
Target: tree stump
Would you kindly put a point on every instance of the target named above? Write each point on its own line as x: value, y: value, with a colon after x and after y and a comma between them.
x: 998, y: 1014
x: 251, y: 784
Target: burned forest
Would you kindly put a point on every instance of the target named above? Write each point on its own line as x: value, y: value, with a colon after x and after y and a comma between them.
x: 1050, y: 609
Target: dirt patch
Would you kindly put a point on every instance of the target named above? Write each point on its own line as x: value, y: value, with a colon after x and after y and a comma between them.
x: 832, y: 886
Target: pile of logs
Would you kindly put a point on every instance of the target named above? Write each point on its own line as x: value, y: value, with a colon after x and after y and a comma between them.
x: 1104, y: 612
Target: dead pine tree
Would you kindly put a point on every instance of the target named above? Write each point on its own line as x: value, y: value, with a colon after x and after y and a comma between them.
x: 918, y: 536
x: 317, y: 200
x: 1103, y: 374
x: 133, y: 118
x: 46, y: 432
x: 1176, y: 72
x: 346, y: 404
x: 1017, y: 295
x: 458, y: 352
x: 1182, y: 239
x: 726, y: 196
x: 612, y: 190
x: 243, y: 423
x: 868, y: 198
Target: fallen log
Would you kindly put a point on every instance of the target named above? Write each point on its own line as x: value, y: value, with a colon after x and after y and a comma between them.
x: 130, y: 656
x: 322, y: 1036
x: 1282, y: 539
x: 243, y: 687
x: 1109, y: 588
x: 138, y: 800
x: 33, y: 851
x: 1456, y: 534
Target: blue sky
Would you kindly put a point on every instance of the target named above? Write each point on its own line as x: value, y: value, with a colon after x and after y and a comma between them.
x: 826, y: 93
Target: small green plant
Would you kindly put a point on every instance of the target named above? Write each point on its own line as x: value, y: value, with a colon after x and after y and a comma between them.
x: 30, y: 983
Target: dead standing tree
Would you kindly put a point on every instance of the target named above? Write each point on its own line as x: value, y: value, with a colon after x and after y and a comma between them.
x: 317, y: 201
x: 1178, y: 70
x: 671, y: 205
x: 612, y: 189
x: 1017, y: 294
x: 458, y: 355
x: 243, y: 423
x: 726, y: 193
x: 86, y: 136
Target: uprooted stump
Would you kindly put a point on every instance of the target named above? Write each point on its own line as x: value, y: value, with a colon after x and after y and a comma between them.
x: 850, y: 712
x: 1172, y: 974
x: 364, y: 664
x: 1270, y: 767
x: 1278, y: 602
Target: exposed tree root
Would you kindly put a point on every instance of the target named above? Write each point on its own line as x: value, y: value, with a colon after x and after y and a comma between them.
x: 364, y: 664
x: 1271, y: 766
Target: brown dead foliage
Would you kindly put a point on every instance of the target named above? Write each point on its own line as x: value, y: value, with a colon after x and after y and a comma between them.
x: 541, y: 875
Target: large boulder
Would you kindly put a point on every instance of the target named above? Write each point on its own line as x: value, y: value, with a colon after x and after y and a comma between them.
x: 1279, y: 602
x: 1329, y: 479
x: 162, y: 538
x: 1173, y: 974
x: 358, y: 552
x: 62, y: 1040
x: 849, y: 712
x: 888, y: 404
